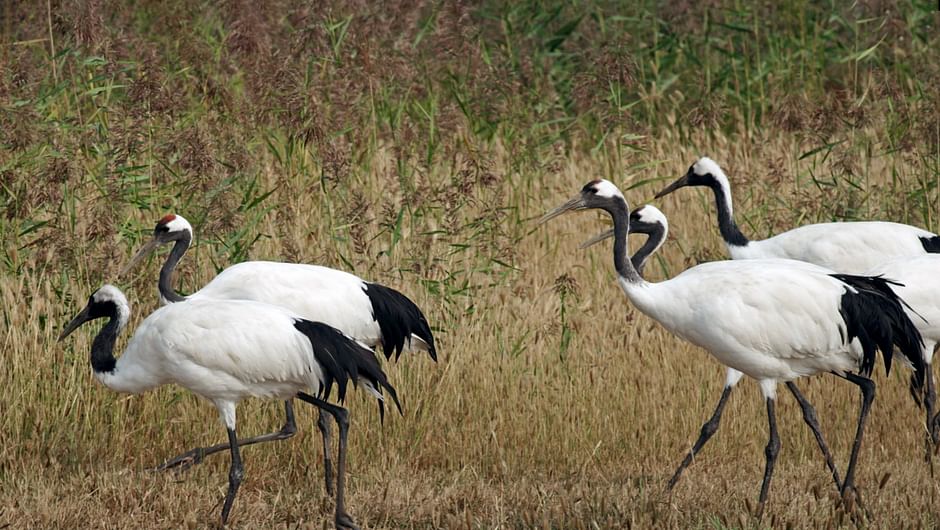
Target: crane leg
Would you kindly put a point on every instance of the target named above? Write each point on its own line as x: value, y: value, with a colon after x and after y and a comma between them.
x: 343, y: 521
x: 323, y: 423
x: 770, y: 452
x: 235, y: 474
x: 196, y: 456
x: 809, y: 416
x: 867, y: 386
x: 930, y: 399
x: 708, y: 429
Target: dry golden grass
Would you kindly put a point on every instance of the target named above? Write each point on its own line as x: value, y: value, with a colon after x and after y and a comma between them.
x: 507, y: 430
x: 414, y: 143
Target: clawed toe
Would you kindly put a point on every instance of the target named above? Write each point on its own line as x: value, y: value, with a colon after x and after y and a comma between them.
x: 345, y: 522
x: 183, y: 461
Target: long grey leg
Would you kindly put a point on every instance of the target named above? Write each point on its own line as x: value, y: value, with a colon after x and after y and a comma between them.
x: 343, y: 521
x: 235, y: 474
x: 771, y: 452
x: 196, y: 456
x: 809, y: 416
x: 323, y: 423
x: 708, y: 429
x: 867, y: 386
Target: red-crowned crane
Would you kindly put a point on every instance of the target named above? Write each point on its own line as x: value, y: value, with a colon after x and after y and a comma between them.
x: 649, y: 220
x: 918, y: 284
x: 228, y: 350
x: 369, y: 312
x: 847, y: 247
x: 774, y: 320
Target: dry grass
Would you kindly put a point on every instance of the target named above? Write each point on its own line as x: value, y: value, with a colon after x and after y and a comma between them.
x: 529, y: 419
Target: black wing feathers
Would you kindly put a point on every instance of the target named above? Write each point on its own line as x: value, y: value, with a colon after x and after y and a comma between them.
x: 343, y: 359
x: 931, y: 244
x: 398, y: 319
x: 875, y: 314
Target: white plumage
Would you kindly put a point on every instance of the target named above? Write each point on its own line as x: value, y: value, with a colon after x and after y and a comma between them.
x: 774, y: 320
x: 228, y: 350
x: 369, y: 312
x: 847, y: 247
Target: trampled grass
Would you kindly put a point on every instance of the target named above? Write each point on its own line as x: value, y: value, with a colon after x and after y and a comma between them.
x: 415, y: 145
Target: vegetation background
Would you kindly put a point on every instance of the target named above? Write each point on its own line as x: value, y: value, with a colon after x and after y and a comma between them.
x: 413, y: 143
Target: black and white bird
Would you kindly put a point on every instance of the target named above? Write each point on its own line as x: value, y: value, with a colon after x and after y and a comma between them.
x: 369, y: 312
x: 649, y: 220
x: 918, y: 284
x: 773, y: 320
x: 228, y: 350
x: 847, y: 247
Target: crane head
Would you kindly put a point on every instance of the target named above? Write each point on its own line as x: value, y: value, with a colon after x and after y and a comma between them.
x: 595, y: 194
x: 108, y: 301
x: 646, y: 219
x: 169, y: 228
x: 704, y: 172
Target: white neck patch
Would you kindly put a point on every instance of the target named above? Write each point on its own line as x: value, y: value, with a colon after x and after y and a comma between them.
x: 606, y: 189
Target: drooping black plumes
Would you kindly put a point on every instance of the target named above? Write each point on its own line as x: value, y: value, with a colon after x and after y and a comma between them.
x: 931, y: 244
x: 343, y: 359
x: 398, y: 319
x: 875, y: 314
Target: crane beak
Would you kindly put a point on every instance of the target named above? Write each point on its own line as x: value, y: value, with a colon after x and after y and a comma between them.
x: 79, y: 319
x: 683, y: 181
x: 597, y: 239
x: 575, y: 203
x: 141, y: 254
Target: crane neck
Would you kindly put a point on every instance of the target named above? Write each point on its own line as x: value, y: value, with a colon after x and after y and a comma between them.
x: 621, y: 217
x: 166, y: 273
x: 726, y: 225
x: 102, y: 348
x: 653, y: 242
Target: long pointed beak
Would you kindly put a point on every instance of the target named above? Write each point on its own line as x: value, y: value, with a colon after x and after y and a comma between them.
x: 575, y: 203
x: 683, y: 181
x: 597, y: 239
x: 79, y: 319
x: 141, y: 254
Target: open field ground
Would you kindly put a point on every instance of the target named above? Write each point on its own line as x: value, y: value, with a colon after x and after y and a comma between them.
x: 415, y: 144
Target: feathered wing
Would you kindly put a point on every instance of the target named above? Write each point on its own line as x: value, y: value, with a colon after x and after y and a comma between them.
x: 875, y: 315
x: 850, y: 247
x: 399, y: 319
x: 343, y: 359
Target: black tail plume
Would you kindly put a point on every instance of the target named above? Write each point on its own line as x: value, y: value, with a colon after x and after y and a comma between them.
x: 875, y: 314
x: 343, y: 359
x: 931, y: 244
x: 398, y: 319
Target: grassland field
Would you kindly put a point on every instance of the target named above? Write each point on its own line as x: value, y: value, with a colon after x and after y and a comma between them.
x: 415, y: 144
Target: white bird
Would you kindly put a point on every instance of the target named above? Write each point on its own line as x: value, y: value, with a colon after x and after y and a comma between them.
x: 847, y: 247
x: 649, y: 220
x: 919, y: 286
x: 368, y: 312
x: 229, y: 350
x: 773, y: 320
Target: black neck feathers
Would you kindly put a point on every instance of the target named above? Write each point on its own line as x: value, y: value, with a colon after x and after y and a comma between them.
x: 726, y: 225
x: 166, y: 273
x: 102, y: 348
x: 621, y: 217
